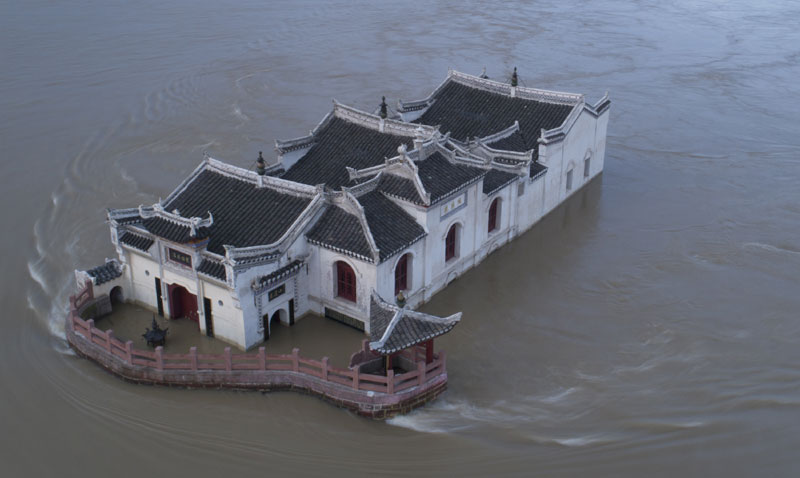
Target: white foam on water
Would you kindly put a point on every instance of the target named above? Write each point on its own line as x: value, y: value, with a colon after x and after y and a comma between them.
x: 238, y: 113
x: 559, y: 396
x: 770, y: 248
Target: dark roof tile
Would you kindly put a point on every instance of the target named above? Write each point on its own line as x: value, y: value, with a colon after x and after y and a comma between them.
x: 339, y: 144
x: 105, y: 273
x: 440, y: 177
x: 136, y: 241
x: 392, y: 228
x: 342, y: 231
x: 468, y: 112
x: 400, y: 187
x: 496, y: 179
x: 410, y: 329
x: 212, y: 268
x: 244, y: 215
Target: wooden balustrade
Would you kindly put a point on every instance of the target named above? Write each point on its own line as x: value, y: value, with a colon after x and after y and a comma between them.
x: 228, y: 362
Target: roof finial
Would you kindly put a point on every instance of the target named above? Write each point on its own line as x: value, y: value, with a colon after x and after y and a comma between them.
x: 514, y: 78
x: 483, y: 74
x: 383, y: 107
x: 261, y: 165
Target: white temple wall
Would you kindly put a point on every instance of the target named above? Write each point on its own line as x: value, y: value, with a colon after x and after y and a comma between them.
x: 601, y: 135
x: 438, y: 271
x: 552, y: 156
x: 489, y: 241
x: 227, y: 317
x: 143, y: 271
x: 416, y: 270
x: 532, y: 202
x: 323, y: 283
x: 576, y: 147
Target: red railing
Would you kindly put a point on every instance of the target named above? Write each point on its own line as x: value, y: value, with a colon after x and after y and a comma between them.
x: 228, y: 362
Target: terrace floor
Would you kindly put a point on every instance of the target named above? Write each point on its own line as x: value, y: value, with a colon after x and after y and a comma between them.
x: 315, y: 336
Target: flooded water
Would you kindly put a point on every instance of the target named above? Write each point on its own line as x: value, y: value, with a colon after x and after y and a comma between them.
x: 649, y: 327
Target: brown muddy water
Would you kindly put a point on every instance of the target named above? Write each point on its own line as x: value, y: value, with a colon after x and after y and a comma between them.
x: 649, y: 327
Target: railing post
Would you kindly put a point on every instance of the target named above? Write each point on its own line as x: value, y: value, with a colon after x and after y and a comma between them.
x: 89, y: 327
x: 262, y: 358
x: 355, y: 378
x: 129, y: 351
x: 390, y: 381
x: 325, y: 368
x: 109, y: 337
x: 193, y: 358
x: 295, y: 359
x: 421, y: 372
x: 159, y: 358
x: 228, y: 365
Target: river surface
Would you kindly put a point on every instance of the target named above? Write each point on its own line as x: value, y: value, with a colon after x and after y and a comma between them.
x: 648, y: 327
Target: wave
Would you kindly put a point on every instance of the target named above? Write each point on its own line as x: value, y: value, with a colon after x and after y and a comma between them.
x: 770, y: 248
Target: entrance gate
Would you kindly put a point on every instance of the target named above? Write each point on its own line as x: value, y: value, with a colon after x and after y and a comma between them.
x: 182, y: 303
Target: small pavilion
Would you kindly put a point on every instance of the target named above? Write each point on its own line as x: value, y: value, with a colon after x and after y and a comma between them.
x: 396, y: 328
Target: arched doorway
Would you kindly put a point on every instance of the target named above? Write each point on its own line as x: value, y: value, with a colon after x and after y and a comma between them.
x: 116, y: 296
x: 182, y: 303
x: 277, y: 317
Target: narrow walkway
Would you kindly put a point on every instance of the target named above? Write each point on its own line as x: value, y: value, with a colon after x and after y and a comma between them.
x: 315, y: 336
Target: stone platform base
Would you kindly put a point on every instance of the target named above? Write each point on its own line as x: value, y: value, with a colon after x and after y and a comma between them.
x: 365, y: 403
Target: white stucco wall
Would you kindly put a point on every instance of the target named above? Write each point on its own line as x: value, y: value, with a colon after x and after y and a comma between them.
x: 322, y: 284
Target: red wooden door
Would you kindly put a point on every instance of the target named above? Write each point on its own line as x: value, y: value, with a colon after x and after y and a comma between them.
x: 182, y: 303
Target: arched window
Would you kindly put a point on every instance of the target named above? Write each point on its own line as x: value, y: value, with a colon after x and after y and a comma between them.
x: 493, y: 214
x: 450, y: 243
x: 401, y: 275
x: 345, y: 281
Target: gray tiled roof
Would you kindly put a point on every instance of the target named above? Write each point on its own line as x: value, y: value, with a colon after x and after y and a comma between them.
x: 173, y: 232
x: 279, y: 273
x: 496, y: 179
x: 392, y: 228
x: 393, y: 329
x: 468, y: 112
x: 244, y: 215
x: 441, y: 178
x: 339, y: 230
x: 339, y: 144
x: 515, y: 142
x: 536, y: 168
x: 107, y: 272
x: 400, y: 187
x: 212, y: 268
x: 135, y: 240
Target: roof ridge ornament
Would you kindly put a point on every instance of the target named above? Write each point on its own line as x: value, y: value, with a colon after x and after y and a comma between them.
x: 384, y: 108
x: 483, y: 74
x: 514, y: 78
x: 261, y: 165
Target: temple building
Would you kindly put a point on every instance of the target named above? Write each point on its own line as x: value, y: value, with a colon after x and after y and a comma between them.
x: 362, y: 220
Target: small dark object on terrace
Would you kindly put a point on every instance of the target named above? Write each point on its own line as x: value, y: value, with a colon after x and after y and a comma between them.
x: 156, y: 335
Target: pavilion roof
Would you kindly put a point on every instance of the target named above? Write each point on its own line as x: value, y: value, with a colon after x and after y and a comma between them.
x: 393, y: 329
